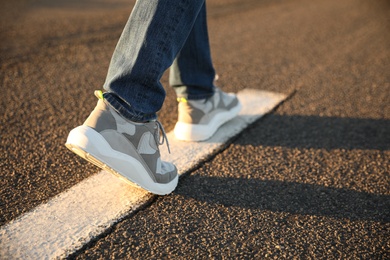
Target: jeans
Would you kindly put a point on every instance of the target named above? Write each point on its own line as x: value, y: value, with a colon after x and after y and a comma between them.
x: 160, y: 34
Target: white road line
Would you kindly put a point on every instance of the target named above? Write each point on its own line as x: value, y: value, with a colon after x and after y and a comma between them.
x: 74, y: 217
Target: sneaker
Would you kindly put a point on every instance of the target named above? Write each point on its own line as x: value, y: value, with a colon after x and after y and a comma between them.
x: 127, y: 149
x: 200, y: 119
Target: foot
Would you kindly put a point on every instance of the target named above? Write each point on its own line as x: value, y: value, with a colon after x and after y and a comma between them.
x: 200, y: 119
x: 124, y: 148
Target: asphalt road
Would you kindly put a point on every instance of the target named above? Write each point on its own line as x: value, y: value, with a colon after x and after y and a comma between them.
x: 310, y: 180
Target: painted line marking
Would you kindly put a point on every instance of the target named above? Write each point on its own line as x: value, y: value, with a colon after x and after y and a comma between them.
x: 71, y: 219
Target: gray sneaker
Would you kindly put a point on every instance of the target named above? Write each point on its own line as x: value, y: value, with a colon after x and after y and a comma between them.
x: 200, y: 119
x: 124, y: 148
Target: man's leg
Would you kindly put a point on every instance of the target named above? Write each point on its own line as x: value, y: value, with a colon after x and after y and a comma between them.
x: 121, y: 134
x: 203, y: 108
x: 192, y: 73
x: 151, y: 39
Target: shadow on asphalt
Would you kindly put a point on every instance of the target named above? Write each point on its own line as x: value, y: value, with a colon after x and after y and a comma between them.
x: 295, y: 198
x: 320, y: 133
x: 302, y: 132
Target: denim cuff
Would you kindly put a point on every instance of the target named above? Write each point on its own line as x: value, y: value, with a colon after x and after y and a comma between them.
x: 126, y: 110
x: 193, y: 93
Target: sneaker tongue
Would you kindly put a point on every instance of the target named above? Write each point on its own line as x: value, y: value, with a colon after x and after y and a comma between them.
x: 99, y: 94
x: 181, y: 99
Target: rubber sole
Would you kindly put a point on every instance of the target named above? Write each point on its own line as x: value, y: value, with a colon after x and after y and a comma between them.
x: 198, y: 132
x: 90, y: 145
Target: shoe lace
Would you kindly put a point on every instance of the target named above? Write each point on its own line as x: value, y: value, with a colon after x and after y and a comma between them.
x: 160, y: 139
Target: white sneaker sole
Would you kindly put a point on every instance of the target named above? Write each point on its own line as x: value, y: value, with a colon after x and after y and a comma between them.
x: 90, y: 145
x: 197, y: 132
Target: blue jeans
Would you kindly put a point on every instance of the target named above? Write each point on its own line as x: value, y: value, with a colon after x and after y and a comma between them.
x: 158, y: 34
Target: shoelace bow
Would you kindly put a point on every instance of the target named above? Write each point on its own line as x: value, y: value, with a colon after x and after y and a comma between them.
x: 160, y: 139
